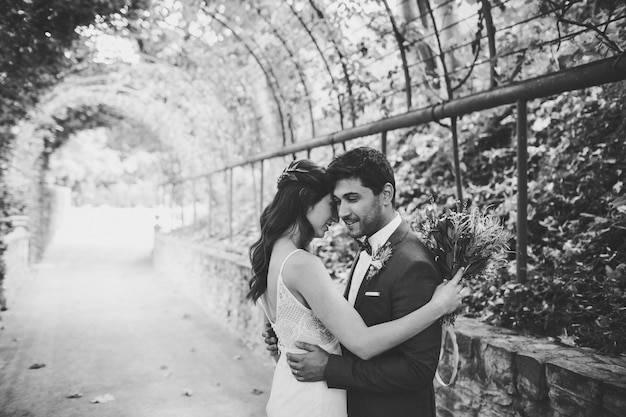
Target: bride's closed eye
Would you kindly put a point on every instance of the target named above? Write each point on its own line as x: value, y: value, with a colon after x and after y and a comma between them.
x: 334, y: 207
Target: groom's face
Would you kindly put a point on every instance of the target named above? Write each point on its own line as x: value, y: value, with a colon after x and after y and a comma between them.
x: 358, y: 207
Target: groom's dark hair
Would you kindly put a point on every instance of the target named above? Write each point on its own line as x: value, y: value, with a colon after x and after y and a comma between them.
x: 368, y: 165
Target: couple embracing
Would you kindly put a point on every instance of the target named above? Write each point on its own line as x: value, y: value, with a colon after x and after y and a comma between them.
x: 373, y: 352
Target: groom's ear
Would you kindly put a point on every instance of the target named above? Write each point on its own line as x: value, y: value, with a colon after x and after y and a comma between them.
x: 387, y: 194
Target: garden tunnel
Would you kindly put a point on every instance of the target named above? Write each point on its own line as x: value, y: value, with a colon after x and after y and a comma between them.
x: 514, y: 105
x: 225, y: 92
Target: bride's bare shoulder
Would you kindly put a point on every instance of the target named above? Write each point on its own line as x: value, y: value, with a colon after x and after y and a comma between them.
x: 304, y: 258
x: 302, y: 264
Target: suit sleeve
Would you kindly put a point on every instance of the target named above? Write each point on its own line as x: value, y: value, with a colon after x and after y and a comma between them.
x: 408, y: 367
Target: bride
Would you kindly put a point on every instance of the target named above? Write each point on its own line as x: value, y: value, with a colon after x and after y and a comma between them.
x: 302, y: 303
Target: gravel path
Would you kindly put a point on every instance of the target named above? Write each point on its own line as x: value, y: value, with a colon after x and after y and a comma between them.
x: 101, y: 325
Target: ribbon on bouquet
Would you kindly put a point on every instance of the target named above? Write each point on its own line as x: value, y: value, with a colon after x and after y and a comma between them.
x: 448, y: 329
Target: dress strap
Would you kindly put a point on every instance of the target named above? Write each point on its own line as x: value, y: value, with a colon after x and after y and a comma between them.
x: 285, y: 261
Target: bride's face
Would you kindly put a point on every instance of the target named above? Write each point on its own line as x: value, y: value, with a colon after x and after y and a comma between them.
x: 322, y: 215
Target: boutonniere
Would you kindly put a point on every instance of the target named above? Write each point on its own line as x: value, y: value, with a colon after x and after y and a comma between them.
x: 379, y: 260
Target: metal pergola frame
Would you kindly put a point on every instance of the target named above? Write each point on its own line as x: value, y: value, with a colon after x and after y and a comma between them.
x: 597, y: 73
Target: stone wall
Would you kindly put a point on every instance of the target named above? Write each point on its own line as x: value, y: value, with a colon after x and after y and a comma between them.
x: 501, y: 373
x: 16, y: 260
x: 217, y: 281
x: 504, y: 374
x: 45, y: 216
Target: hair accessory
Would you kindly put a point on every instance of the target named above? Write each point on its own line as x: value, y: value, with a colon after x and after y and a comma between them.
x: 290, y: 172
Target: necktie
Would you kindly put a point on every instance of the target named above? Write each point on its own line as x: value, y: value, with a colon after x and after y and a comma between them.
x: 364, y: 245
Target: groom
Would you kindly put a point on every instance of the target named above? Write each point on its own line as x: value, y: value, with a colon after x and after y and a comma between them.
x: 398, y: 382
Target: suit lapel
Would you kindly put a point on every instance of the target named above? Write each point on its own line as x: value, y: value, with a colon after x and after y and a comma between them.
x: 347, y: 290
x: 395, y: 238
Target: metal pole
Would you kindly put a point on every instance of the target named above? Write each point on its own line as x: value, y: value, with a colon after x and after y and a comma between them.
x: 522, y: 191
x: 491, y: 37
x: 210, y: 207
x: 160, y: 208
x: 230, y: 203
x: 195, y: 201
x: 182, y: 204
x: 457, y: 162
x: 383, y: 142
x: 261, y: 186
x: 584, y: 76
x: 596, y: 73
x: 171, y: 204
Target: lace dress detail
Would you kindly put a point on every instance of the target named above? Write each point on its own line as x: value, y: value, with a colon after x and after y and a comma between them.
x: 296, y: 322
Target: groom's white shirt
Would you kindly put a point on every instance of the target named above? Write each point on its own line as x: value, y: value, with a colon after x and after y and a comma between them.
x: 377, y: 240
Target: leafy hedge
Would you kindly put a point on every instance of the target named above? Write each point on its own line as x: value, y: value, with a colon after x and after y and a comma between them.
x: 578, y: 228
x: 577, y: 214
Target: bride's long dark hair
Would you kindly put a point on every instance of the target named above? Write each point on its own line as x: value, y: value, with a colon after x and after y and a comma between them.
x: 301, y: 185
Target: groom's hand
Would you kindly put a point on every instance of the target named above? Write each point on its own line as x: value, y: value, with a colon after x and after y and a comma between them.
x: 271, y: 341
x: 309, y: 366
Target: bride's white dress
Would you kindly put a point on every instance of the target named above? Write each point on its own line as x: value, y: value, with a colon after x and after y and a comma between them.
x: 290, y: 397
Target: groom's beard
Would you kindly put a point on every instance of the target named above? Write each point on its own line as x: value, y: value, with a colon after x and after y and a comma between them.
x: 365, y: 225
x: 353, y: 226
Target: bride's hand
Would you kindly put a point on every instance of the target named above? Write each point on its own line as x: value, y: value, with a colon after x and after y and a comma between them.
x: 447, y: 296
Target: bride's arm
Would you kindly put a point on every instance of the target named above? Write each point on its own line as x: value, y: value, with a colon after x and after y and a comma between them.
x: 317, y: 288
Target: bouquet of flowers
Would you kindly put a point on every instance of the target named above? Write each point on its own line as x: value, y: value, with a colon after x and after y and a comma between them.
x: 468, y: 237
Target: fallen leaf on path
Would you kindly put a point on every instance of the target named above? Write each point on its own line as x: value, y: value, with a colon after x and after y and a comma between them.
x: 37, y: 365
x: 257, y: 391
x: 75, y: 395
x: 101, y: 399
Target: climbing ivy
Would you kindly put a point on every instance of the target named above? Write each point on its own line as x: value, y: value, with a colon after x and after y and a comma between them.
x: 35, y: 51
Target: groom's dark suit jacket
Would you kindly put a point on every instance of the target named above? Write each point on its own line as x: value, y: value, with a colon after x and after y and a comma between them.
x: 399, y: 382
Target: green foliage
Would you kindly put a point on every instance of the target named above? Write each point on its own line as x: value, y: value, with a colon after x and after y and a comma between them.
x: 100, y: 174
x: 337, y: 251
x: 36, y: 36
x: 577, y: 309
x: 577, y: 214
x: 583, y: 166
x: 8, y: 206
